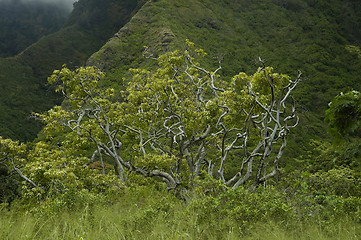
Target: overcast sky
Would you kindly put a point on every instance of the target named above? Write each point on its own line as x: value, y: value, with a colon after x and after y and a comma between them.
x: 67, y: 3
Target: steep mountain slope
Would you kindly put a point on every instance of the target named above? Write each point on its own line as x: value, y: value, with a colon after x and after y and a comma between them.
x: 320, y: 38
x: 311, y: 36
x: 23, y: 77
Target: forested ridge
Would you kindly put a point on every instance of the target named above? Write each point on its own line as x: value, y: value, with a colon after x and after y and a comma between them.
x: 186, y: 120
x: 23, y: 78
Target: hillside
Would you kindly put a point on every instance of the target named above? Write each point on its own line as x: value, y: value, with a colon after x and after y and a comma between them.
x: 319, y: 38
x: 311, y: 36
x: 23, y: 77
x: 159, y: 148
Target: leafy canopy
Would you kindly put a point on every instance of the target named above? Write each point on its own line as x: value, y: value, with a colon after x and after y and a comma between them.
x: 177, y: 124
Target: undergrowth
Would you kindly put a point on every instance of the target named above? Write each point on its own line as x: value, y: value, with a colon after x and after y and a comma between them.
x: 145, y: 212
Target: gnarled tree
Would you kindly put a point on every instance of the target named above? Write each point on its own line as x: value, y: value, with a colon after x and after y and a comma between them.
x: 181, y: 121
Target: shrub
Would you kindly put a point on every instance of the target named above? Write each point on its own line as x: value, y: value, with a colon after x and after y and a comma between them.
x: 242, y: 208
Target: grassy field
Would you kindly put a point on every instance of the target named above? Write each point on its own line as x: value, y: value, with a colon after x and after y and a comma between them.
x: 153, y: 214
x: 131, y: 222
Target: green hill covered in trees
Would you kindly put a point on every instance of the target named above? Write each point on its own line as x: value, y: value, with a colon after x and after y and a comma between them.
x: 23, y: 77
x: 194, y: 120
x: 320, y: 38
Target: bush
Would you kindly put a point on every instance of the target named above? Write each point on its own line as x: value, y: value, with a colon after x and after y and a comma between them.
x: 340, y: 182
x: 242, y: 208
x: 9, y: 187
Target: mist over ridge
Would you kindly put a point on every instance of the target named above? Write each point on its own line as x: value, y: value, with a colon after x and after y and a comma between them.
x: 68, y: 4
x: 23, y: 22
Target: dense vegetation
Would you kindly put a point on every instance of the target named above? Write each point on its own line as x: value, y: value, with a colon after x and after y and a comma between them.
x: 320, y: 38
x: 150, y: 158
x: 154, y: 143
x: 146, y: 212
x: 89, y: 25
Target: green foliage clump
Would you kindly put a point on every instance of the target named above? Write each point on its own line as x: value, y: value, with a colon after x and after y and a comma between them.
x: 337, y: 181
x: 10, y: 185
x: 241, y: 207
x: 344, y: 114
x: 12, y: 154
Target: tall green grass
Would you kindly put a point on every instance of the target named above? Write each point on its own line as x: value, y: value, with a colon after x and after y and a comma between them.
x: 117, y: 222
x: 153, y: 214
